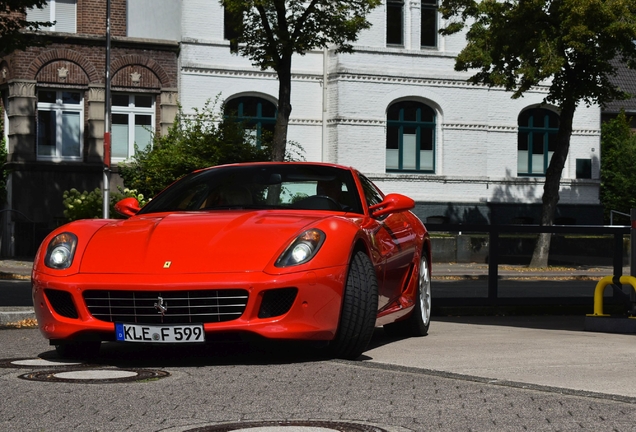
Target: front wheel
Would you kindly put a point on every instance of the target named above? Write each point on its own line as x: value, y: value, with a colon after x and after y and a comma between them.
x: 359, y: 310
x: 418, y: 323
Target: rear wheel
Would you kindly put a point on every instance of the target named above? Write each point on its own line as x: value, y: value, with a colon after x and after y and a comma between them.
x: 359, y: 310
x: 78, y: 350
x: 418, y: 323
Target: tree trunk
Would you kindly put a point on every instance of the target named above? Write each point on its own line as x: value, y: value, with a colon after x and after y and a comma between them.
x: 552, y: 183
x: 279, y: 142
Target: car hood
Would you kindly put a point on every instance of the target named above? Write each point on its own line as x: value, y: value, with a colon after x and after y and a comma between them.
x: 210, y: 242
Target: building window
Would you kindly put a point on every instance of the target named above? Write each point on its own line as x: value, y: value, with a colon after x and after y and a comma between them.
x: 62, y: 12
x: 410, y: 137
x: 60, y: 125
x: 133, y: 120
x: 536, y: 142
x: 429, y: 23
x: 232, y: 23
x: 395, y: 22
x: 258, y: 114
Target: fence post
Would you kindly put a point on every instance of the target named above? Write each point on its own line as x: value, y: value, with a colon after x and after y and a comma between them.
x: 632, y: 244
x: 632, y: 256
x: 493, y: 265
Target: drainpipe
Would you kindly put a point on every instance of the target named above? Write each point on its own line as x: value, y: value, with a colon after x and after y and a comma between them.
x: 107, y: 146
x: 9, y: 228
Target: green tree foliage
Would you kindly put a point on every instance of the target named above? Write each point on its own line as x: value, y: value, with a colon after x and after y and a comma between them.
x: 204, y: 140
x: 13, y: 24
x: 618, y: 176
x: 567, y: 45
x: 88, y: 205
x: 269, y: 32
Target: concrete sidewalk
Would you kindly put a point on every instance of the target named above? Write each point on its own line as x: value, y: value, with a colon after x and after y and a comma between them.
x: 540, y: 352
x: 15, y: 269
x: 507, y: 271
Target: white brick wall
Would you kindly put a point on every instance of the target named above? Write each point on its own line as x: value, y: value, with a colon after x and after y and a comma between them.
x: 476, y: 134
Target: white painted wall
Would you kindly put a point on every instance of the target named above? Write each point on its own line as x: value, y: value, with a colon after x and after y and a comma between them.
x: 154, y: 19
x: 476, y: 135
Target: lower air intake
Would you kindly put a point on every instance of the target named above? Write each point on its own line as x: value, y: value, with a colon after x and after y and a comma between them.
x: 145, y: 307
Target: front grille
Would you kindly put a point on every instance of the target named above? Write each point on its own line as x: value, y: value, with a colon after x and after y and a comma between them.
x: 61, y: 302
x: 188, y: 306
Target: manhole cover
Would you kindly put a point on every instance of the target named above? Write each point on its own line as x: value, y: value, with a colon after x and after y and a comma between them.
x: 35, y: 362
x: 291, y: 426
x: 95, y: 375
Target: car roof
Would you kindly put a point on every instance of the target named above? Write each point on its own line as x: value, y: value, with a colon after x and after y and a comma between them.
x: 325, y: 164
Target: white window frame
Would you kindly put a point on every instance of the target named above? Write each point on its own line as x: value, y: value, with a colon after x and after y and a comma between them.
x: 63, y: 12
x: 60, y: 108
x: 131, y: 110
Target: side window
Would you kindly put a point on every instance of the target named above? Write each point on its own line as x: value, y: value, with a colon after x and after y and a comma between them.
x: 258, y: 113
x: 371, y: 193
x: 410, y: 137
x: 536, y: 140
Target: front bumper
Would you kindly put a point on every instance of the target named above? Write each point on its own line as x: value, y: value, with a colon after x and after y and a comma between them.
x: 313, y: 314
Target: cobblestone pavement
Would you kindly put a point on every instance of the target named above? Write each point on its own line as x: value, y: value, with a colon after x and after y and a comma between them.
x: 234, y: 382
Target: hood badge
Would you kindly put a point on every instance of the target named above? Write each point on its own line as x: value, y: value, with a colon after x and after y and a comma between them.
x: 161, y: 307
x: 167, y: 264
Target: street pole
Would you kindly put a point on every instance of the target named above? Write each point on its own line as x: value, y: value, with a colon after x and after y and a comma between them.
x: 107, y: 142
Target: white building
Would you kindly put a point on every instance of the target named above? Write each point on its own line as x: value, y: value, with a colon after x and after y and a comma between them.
x: 398, y: 111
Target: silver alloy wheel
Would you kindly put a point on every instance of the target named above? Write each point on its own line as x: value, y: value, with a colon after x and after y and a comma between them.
x: 425, y: 291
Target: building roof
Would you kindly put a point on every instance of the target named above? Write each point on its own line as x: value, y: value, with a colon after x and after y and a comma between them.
x: 625, y: 79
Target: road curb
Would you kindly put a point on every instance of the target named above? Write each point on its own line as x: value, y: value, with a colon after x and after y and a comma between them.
x: 10, y: 315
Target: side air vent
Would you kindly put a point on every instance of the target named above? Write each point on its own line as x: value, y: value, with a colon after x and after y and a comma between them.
x: 277, y: 302
x: 62, y: 303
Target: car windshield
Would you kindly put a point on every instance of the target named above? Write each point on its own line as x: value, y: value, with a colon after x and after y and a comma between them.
x: 261, y: 186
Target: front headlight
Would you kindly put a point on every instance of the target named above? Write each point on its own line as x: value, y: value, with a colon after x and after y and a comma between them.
x: 302, y: 249
x: 60, y: 252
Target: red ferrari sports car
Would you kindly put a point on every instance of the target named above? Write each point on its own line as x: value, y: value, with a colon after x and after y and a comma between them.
x: 302, y: 251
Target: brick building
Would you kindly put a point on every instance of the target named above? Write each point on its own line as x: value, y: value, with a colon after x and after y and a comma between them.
x: 53, y: 99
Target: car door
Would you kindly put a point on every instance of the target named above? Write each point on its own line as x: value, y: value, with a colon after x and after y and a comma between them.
x: 395, y: 243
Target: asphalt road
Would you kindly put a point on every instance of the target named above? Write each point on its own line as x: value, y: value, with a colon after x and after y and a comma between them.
x: 469, y: 374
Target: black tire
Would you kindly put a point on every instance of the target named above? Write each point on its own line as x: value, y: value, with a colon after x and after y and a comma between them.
x: 359, y: 310
x: 418, y: 323
x: 78, y: 350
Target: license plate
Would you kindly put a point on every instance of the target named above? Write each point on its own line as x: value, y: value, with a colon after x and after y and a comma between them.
x: 185, y: 333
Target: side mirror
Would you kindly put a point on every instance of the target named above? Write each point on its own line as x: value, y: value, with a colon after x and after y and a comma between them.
x: 127, y: 207
x: 393, y: 203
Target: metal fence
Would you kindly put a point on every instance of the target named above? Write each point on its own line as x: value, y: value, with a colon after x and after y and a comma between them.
x: 495, y: 257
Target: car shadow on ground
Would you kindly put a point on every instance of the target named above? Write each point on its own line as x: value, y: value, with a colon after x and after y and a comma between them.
x: 541, y: 322
x: 233, y: 350
x: 212, y: 353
